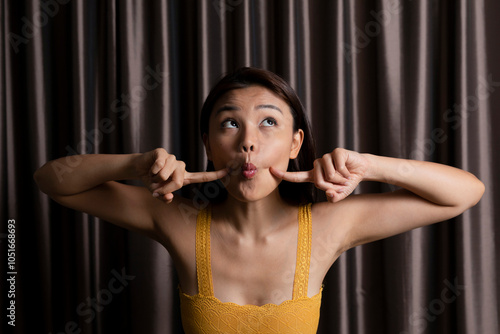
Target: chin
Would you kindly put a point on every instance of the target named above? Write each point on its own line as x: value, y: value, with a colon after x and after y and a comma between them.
x: 255, y: 189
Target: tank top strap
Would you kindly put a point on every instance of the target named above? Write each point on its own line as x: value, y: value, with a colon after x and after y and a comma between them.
x: 203, y: 268
x: 304, y: 242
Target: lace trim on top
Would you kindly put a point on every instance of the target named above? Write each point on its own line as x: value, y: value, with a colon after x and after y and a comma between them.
x: 301, y: 279
x: 203, y: 265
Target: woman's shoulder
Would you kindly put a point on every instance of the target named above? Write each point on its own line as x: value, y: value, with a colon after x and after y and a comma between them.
x: 176, y: 223
x: 330, y: 220
x: 324, y: 210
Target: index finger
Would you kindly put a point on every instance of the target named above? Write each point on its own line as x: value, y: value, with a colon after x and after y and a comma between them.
x: 201, y: 177
x: 296, y: 177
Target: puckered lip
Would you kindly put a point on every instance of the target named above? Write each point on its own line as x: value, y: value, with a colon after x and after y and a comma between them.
x: 248, y: 170
x: 248, y: 166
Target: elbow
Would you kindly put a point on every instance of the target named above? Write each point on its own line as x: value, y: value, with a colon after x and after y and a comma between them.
x: 481, y: 188
x: 475, y: 194
x: 42, y: 180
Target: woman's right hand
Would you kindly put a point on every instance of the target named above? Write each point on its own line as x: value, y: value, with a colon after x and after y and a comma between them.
x: 163, y: 174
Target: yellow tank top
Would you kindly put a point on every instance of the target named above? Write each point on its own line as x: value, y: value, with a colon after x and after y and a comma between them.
x: 204, y: 313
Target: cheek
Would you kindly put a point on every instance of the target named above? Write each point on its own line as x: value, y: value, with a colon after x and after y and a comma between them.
x: 278, y: 152
x: 221, y: 154
x: 278, y: 158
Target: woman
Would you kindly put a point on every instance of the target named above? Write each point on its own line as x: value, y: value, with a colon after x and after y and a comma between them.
x: 247, y: 262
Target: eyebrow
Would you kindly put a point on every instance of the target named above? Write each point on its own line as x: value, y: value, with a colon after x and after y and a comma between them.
x: 268, y: 106
x: 260, y: 106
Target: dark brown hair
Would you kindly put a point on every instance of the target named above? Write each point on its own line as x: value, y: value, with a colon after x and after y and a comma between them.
x: 297, y: 193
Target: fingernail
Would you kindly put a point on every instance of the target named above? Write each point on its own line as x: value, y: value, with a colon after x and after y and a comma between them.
x: 156, y: 195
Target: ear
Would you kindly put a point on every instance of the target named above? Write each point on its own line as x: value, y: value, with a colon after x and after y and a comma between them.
x: 207, y: 146
x: 298, y: 138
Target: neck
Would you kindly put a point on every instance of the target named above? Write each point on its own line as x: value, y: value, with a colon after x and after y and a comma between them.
x: 253, y: 220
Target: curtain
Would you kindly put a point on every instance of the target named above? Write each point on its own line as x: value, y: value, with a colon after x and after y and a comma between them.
x: 408, y: 79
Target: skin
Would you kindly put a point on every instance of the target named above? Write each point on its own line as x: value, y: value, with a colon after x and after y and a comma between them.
x: 254, y: 227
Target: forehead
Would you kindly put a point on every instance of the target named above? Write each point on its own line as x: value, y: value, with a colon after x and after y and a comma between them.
x: 250, y: 97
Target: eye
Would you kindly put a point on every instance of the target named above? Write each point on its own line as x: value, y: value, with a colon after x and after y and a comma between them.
x: 229, y: 124
x: 269, y: 122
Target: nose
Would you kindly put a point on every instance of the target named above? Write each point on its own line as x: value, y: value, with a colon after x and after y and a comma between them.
x: 248, y: 141
x: 247, y: 148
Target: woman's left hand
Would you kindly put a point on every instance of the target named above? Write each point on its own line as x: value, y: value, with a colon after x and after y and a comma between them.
x: 337, y: 173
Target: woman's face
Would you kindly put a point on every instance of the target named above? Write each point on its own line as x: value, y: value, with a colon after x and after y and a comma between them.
x: 250, y: 130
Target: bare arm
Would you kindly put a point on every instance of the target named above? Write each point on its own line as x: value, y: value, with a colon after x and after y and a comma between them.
x: 88, y: 183
x: 437, y: 183
x: 75, y: 174
x: 431, y: 193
